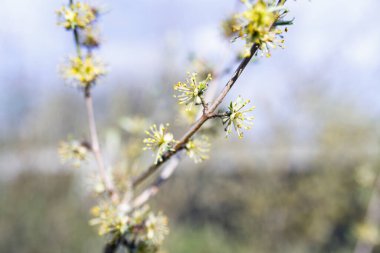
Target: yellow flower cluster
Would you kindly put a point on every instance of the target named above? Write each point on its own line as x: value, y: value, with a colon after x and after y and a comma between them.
x: 156, y: 228
x: 367, y: 232
x: 109, y: 220
x: 186, y: 115
x: 257, y: 26
x: 81, y: 18
x: 159, y: 140
x: 198, y: 148
x: 78, y: 15
x: 83, y: 72
x: 236, y: 117
x: 89, y: 37
x: 73, y: 152
x: 192, y: 91
x: 141, y: 226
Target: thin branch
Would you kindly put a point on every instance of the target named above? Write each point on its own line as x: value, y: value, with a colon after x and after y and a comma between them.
x: 174, y: 162
x: 112, y: 246
x: 95, y: 147
x: 233, y: 79
x: 204, y: 105
x: 208, y: 114
x: 77, y: 44
x: 153, y: 189
x: 154, y: 167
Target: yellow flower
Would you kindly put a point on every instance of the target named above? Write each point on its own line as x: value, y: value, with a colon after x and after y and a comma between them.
x: 367, y: 232
x: 109, y: 219
x: 192, y: 91
x: 78, y: 15
x: 231, y: 26
x: 236, y: 117
x: 150, y: 229
x: 159, y: 140
x: 141, y: 226
x: 83, y: 72
x: 90, y: 37
x: 73, y: 151
x: 187, y: 116
x: 156, y: 228
x: 198, y: 148
x: 258, y: 25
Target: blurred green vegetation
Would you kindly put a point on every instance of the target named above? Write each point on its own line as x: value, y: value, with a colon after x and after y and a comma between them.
x: 44, y: 213
x: 241, y: 210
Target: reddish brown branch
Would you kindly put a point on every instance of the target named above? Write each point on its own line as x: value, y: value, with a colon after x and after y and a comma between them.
x: 209, y: 113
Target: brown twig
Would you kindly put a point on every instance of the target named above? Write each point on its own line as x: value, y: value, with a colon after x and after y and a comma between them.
x: 153, y: 189
x: 112, y: 247
x: 209, y: 113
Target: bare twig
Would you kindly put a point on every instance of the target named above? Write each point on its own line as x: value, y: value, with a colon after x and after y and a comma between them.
x: 77, y: 44
x: 204, y: 105
x: 95, y: 147
x: 153, y: 189
x: 233, y: 79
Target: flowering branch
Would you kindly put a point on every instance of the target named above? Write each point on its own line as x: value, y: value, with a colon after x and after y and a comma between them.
x: 85, y: 72
x: 127, y: 221
x: 208, y: 113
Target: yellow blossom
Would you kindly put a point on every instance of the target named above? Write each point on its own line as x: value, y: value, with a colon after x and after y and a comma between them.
x: 236, y: 117
x: 156, y: 228
x: 109, y: 219
x: 187, y: 116
x: 83, y: 72
x: 367, y: 232
x: 198, y: 148
x: 72, y: 151
x: 90, y: 37
x: 192, y: 91
x: 257, y: 26
x: 78, y: 15
x: 159, y: 140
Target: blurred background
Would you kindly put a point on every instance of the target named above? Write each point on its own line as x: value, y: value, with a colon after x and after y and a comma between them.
x: 300, y: 181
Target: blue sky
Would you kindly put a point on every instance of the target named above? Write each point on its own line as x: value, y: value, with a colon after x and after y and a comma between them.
x: 338, y: 39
